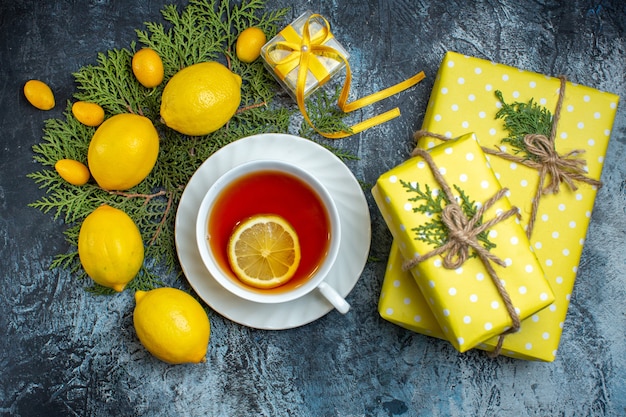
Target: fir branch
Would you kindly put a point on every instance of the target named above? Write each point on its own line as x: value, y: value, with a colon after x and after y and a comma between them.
x: 432, y: 200
x: 260, y: 85
x: 203, y: 30
x: 63, y: 199
x: 46, y: 178
x: 188, y: 41
x: 231, y: 20
x: 264, y: 119
x: 68, y: 261
x: 343, y: 154
x: 63, y: 139
x: 433, y: 232
x: 324, y: 113
x: 521, y: 119
x: 112, y: 84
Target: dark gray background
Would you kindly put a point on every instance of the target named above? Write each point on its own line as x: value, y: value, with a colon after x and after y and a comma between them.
x: 64, y: 352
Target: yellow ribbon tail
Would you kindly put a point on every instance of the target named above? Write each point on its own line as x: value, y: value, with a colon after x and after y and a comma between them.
x: 364, y: 125
x: 383, y: 94
x: 307, y: 52
x: 366, y: 101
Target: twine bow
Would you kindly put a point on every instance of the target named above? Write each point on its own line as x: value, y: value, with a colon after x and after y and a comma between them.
x: 561, y: 168
x: 303, y: 54
x: 463, y: 234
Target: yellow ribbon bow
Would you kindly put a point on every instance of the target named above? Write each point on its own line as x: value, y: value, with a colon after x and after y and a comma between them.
x: 304, y: 51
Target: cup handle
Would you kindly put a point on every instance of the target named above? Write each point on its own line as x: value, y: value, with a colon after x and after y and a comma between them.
x: 334, y: 298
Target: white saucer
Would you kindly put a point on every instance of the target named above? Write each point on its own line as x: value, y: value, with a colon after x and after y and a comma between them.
x: 353, y: 212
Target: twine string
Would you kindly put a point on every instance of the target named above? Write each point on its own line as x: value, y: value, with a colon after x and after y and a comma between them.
x: 565, y: 168
x: 463, y: 234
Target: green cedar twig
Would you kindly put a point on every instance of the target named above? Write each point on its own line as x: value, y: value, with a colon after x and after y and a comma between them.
x: 324, y: 113
x: 434, y: 232
x: 521, y: 119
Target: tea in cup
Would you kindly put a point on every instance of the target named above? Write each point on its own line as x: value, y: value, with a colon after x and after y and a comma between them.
x: 266, y: 189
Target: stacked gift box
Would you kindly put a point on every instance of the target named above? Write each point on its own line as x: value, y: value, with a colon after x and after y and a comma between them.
x: 467, y: 137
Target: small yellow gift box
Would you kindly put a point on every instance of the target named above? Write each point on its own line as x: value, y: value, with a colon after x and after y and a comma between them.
x: 281, y: 55
x: 305, y: 55
x: 464, y: 100
x: 475, y: 290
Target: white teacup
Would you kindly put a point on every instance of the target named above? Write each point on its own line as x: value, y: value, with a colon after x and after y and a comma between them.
x: 240, y: 193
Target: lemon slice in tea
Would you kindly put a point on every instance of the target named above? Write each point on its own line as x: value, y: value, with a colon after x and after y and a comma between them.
x: 264, y: 251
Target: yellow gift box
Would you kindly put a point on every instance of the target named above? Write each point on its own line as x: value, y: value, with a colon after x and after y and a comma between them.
x: 401, y: 302
x: 281, y: 54
x: 305, y: 55
x: 465, y: 298
x: 463, y: 100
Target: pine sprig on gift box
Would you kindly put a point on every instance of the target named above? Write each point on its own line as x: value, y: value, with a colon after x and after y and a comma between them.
x: 431, y: 203
x: 203, y: 30
x: 521, y: 119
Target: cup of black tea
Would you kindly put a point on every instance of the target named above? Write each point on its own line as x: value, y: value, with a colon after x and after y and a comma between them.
x: 269, y: 232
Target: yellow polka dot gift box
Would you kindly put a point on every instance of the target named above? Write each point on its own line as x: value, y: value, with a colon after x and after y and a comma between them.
x: 475, y: 95
x: 466, y: 248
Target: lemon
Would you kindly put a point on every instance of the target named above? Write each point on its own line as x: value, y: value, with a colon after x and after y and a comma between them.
x: 39, y: 94
x: 110, y: 247
x: 89, y: 114
x: 264, y: 251
x: 201, y: 98
x: 249, y: 44
x: 123, y: 151
x: 172, y: 325
x: 147, y: 67
x: 72, y: 171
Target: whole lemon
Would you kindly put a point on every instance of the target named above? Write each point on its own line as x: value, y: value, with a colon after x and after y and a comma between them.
x: 110, y: 247
x: 39, y: 94
x: 201, y: 98
x: 249, y: 44
x: 147, y: 67
x: 123, y: 151
x: 172, y: 325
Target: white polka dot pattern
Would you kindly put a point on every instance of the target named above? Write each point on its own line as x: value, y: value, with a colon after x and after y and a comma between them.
x: 562, y: 220
x: 488, y: 316
x: 398, y: 287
